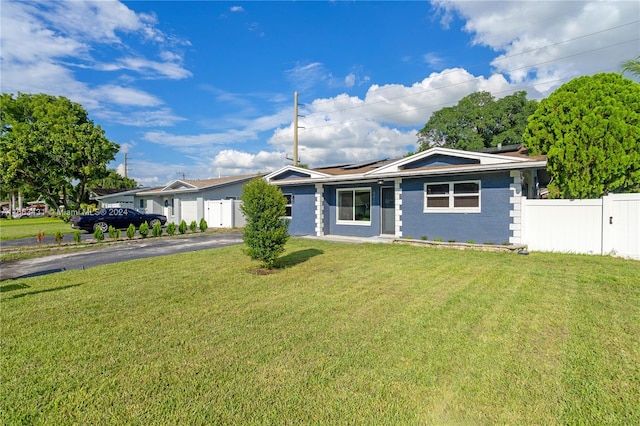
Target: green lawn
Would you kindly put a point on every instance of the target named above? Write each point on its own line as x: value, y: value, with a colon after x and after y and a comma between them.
x: 342, y: 334
x: 11, y: 229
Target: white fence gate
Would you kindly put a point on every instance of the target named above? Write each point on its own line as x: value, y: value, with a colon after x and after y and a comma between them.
x: 223, y: 213
x: 609, y: 225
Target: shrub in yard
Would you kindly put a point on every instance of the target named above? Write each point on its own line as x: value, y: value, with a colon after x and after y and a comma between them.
x: 113, y: 234
x: 157, y: 230
x: 58, y: 237
x: 203, y: 225
x: 183, y: 227
x: 171, y: 228
x: 131, y: 231
x: 193, y: 226
x: 98, y: 234
x: 265, y: 232
x: 144, y: 230
x: 77, y: 237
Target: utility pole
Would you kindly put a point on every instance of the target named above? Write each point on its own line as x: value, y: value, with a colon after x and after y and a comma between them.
x: 125, y: 164
x: 295, y: 129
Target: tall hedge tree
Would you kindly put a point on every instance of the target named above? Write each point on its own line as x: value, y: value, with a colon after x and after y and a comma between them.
x: 49, y: 145
x: 265, y: 231
x: 589, y: 128
x: 478, y: 121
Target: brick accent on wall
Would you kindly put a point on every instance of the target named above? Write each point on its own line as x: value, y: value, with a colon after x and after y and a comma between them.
x: 319, y: 210
x: 515, y: 200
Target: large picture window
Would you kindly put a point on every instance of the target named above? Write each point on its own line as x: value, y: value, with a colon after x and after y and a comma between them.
x: 452, y: 197
x: 354, y: 206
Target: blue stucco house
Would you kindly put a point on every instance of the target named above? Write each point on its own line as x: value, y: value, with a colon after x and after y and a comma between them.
x: 436, y: 194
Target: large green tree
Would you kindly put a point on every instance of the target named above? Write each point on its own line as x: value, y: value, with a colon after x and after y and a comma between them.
x: 589, y: 128
x: 265, y: 231
x: 50, y: 146
x: 113, y: 180
x: 478, y: 121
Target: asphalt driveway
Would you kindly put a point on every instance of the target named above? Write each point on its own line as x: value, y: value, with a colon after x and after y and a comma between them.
x: 106, y: 253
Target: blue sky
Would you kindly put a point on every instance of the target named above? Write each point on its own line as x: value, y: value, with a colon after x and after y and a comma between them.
x: 201, y: 89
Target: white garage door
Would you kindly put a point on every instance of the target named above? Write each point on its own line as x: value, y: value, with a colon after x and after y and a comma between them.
x: 189, y: 211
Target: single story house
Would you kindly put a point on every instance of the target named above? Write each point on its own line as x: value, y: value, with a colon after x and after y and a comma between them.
x: 440, y: 193
x: 216, y: 200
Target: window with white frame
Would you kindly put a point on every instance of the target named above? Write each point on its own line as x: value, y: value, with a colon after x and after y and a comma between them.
x: 452, y: 197
x: 289, y: 202
x: 354, y: 206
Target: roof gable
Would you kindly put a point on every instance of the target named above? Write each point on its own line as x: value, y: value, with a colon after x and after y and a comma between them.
x: 178, y: 184
x: 293, y: 172
x: 181, y: 186
x: 439, y: 157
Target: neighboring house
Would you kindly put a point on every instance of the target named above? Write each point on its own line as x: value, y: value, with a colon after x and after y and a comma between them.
x: 115, y: 197
x: 438, y: 193
x: 215, y: 200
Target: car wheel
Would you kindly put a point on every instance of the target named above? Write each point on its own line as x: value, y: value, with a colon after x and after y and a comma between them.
x: 102, y: 225
x: 153, y: 222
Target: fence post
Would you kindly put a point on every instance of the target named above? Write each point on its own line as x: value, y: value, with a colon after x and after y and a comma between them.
x: 605, y: 223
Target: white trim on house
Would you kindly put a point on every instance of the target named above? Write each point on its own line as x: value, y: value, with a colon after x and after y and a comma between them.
x: 312, y: 174
x: 319, y: 210
x: 398, y: 206
x: 436, y: 171
x: 515, y: 213
x: 483, y: 158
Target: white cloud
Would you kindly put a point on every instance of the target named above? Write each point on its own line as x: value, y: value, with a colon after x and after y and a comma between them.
x: 160, y: 117
x: 170, y: 68
x: 236, y: 9
x: 547, y: 44
x: 433, y: 60
x: 43, y: 43
x: 232, y: 162
x: 344, y: 128
x: 305, y: 75
x: 125, y: 96
x: 190, y: 143
x: 350, y: 80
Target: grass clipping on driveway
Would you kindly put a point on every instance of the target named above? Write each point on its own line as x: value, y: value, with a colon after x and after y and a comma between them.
x: 342, y: 334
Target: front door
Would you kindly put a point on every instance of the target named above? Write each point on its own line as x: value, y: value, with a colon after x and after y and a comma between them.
x: 388, y: 211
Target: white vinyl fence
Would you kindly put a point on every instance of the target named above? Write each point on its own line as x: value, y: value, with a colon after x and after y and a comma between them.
x: 609, y: 225
x: 223, y: 213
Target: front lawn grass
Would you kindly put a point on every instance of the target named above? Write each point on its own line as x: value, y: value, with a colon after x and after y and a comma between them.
x: 342, y: 334
x: 11, y: 229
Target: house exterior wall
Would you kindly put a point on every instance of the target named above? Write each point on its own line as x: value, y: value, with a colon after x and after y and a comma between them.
x: 187, y: 205
x: 118, y: 201
x: 490, y: 225
x: 303, y: 209
x: 224, y: 192
x: 366, y: 229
